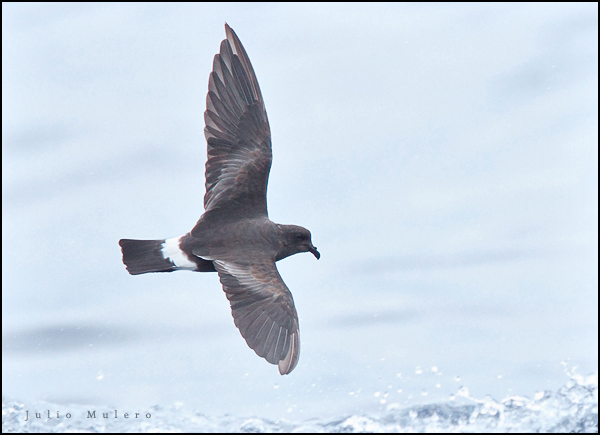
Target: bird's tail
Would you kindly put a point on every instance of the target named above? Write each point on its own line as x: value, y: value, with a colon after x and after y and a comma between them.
x: 167, y: 255
x: 144, y: 256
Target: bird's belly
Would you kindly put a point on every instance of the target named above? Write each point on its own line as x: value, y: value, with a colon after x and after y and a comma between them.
x: 241, y: 240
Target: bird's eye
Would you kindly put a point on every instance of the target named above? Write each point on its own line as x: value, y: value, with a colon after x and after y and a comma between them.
x: 299, y: 236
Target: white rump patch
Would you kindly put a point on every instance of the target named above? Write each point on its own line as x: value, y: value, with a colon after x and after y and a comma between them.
x: 172, y: 252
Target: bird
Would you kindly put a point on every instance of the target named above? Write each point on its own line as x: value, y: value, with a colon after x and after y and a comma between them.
x: 234, y: 236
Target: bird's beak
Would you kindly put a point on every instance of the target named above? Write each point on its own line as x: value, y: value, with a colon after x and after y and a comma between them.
x: 314, y: 251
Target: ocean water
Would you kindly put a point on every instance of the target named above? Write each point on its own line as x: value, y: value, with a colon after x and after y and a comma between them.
x: 571, y: 409
x: 444, y: 157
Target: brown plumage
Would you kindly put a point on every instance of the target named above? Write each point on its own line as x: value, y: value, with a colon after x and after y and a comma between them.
x: 234, y: 236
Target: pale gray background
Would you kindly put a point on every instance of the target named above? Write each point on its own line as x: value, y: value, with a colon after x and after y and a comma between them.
x: 445, y: 158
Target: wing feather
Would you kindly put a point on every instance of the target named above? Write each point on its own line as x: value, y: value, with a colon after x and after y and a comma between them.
x: 263, y: 310
x: 238, y: 135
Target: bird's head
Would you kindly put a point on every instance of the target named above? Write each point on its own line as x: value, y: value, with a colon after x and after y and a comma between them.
x: 296, y: 239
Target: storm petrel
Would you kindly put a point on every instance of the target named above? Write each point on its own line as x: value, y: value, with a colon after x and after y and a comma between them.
x: 234, y: 237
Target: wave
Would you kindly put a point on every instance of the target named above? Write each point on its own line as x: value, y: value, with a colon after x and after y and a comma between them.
x: 573, y: 408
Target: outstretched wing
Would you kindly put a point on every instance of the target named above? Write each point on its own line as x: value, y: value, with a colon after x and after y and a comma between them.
x: 238, y: 135
x: 263, y: 310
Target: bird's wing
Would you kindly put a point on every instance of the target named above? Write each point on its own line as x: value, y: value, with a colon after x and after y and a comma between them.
x: 263, y: 310
x: 238, y: 135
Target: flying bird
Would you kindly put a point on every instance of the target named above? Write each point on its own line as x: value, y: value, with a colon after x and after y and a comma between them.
x: 235, y: 237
